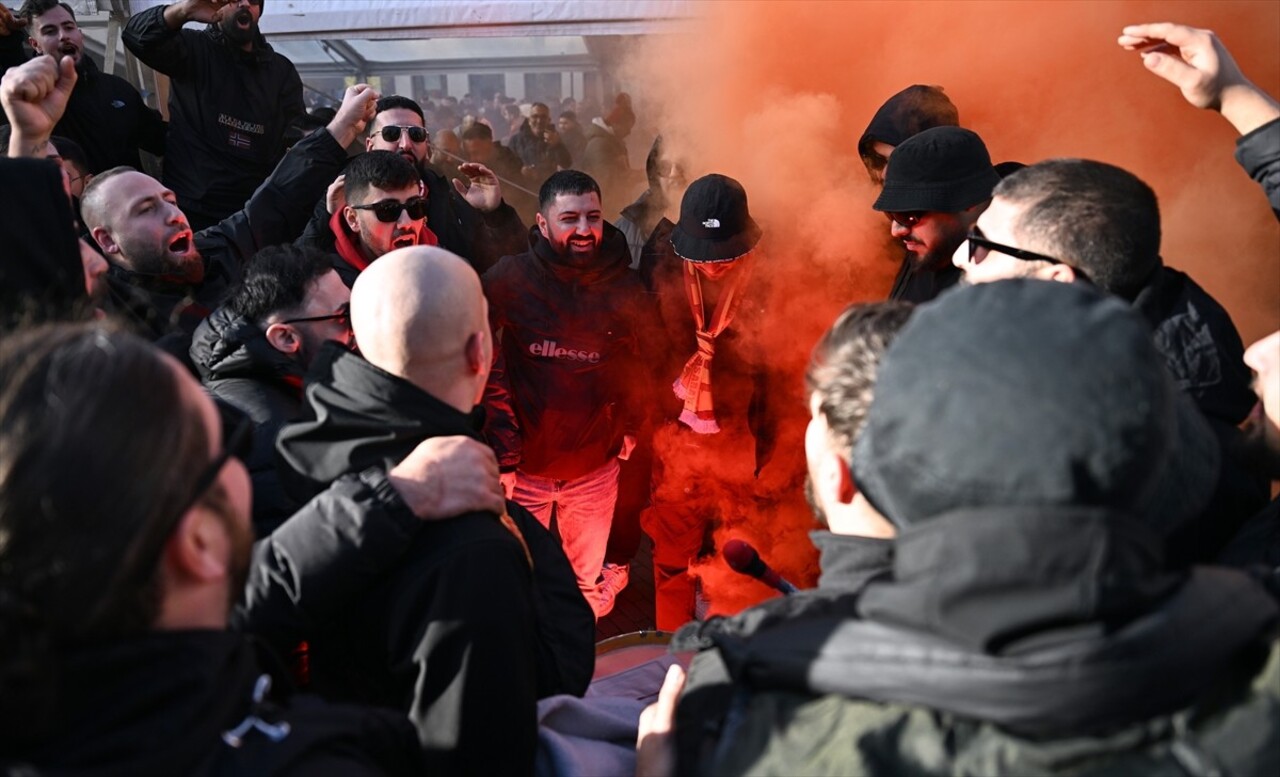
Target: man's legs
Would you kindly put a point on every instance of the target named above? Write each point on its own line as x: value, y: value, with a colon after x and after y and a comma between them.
x: 537, y: 495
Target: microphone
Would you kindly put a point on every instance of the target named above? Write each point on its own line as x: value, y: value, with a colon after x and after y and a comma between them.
x: 744, y: 559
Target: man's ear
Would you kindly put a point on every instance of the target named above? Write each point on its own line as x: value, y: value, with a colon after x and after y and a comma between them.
x: 1062, y: 273
x: 542, y: 224
x: 475, y: 353
x: 284, y: 338
x: 368, y: 142
x: 104, y: 240
x: 834, y: 480
x: 199, y: 549
x: 352, y: 218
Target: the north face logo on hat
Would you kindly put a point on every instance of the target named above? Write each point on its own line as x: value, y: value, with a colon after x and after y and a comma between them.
x: 711, y: 223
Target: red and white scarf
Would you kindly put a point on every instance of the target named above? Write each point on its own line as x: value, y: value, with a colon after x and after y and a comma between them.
x: 694, y: 384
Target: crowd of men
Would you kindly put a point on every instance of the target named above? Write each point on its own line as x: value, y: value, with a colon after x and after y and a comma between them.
x: 322, y: 462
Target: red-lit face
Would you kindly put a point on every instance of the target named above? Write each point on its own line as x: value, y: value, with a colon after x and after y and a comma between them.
x: 574, y: 226
x: 380, y: 237
x: 932, y: 240
x: 714, y: 271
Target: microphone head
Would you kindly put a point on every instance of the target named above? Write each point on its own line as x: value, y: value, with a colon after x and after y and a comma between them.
x: 739, y: 555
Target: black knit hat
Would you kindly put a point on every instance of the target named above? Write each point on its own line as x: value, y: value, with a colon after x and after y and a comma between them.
x: 1029, y: 393
x: 944, y: 169
x: 715, y: 224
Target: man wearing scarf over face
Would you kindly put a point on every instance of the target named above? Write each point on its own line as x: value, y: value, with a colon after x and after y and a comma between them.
x: 712, y: 382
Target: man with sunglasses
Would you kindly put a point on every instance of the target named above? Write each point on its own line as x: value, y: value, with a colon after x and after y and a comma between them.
x: 1077, y: 220
x: 471, y: 220
x: 254, y: 350
x: 936, y: 185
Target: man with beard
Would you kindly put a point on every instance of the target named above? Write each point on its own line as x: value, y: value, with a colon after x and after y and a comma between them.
x: 565, y: 397
x: 538, y: 145
x: 471, y: 220
x: 232, y: 98
x: 105, y: 114
x: 937, y: 184
x: 167, y: 276
x: 253, y: 351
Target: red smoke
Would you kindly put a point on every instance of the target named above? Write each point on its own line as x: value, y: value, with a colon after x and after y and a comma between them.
x: 776, y: 95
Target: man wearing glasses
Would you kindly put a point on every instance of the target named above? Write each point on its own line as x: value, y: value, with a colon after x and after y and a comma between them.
x: 254, y: 350
x: 1077, y: 220
x: 471, y: 220
x: 936, y: 185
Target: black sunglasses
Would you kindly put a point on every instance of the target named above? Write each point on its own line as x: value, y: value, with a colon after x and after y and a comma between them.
x: 388, y: 211
x: 978, y: 240
x: 342, y: 316
x: 391, y: 133
x: 906, y: 219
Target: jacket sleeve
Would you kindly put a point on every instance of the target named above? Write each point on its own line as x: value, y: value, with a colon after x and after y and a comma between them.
x: 310, y: 569
x: 501, y: 429
x: 317, y: 234
x: 475, y: 663
x: 11, y: 55
x: 565, y: 622
x: 160, y: 48
x: 278, y: 211
x: 495, y: 235
x: 152, y: 128
x: 1259, y: 154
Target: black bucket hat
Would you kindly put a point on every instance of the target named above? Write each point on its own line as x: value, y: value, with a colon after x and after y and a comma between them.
x: 715, y: 225
x: 1030, y: 393
x: 944, y: 170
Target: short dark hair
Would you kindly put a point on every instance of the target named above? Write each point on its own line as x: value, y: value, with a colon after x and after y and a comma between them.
x: 383, y: 169
x: 71, y: 151
x: 566, y: 182
x: 570, y: 115
x: 1091, y: 215
x: 33, y: 8
x: 842, y: 368
x: 393, y: 101
x: 539, y: 105
x: 276, y: 281
x: 76, y: 564
x: 478, y: 131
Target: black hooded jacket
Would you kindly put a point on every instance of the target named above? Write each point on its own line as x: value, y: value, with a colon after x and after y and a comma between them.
x: 1053, y: 625
x: 464, y: 636
x: 1259, y: 154
x: 228, y: 112
x: 480, y: 238
x: 168, y: 702
x: 41, y: 278
x: 568, y: 383
x: 238, y: 366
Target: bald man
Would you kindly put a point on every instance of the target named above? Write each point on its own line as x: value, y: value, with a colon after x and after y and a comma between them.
x: 483, y: 616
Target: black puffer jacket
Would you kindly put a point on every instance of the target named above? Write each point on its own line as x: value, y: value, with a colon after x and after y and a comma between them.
x: 238, y: 366
x: 228, y: 112
x: 465, y: 636
x: 571, y: 380
x: 168, y: 702
x: 1007, y: 661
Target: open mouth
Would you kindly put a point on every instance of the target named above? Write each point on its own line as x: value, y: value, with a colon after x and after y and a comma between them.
x: 582, y: 245
x: 181, y: 244
x: 405, y: 240
x: 243, y: 19
x: 69, y: 51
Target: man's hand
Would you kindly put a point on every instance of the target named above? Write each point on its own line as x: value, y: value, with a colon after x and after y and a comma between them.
x: 485, y: 191
x: 335, y: 197
x: 1196, y: 62
x: 445, y: 477
x: 359, y: 106
x: 35, y: 96
x: 204, y: 11
x: 10, y: 24
x: 655, y: 748
x: 508, y: 481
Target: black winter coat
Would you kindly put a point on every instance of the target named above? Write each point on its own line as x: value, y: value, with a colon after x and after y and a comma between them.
x: 238, y: 366
x: 228, y: 112
x: 168, y: 702
x: 465, y: 636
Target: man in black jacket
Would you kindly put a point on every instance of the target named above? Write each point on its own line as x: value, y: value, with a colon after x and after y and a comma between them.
x: 482, y: 615
x: 1074, y: 220
x: 232, y: 98
x: 169, y: 277
x: 568, y: 398
x: 105, y: 114
x: 253, y: 351
x: 469, y: 219
x: 1027, y: 573
x: 117, y: 590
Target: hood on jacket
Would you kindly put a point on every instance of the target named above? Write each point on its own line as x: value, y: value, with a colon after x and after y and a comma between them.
x: 41, y: 277
x: 909, y: 112
x: 227, y: 345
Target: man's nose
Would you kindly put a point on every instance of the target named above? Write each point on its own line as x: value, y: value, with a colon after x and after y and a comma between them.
x: 897, y: 230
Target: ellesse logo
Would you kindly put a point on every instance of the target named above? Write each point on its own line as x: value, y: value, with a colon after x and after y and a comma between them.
x: 553, y: 350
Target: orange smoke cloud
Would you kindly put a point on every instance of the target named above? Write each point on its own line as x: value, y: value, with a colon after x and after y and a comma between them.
x: 777, y: 94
